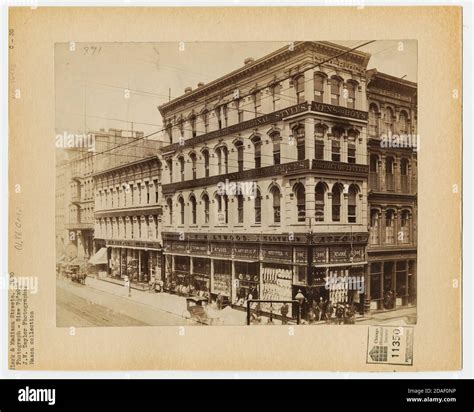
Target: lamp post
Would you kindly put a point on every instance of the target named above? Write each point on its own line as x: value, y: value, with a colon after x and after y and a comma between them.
x: 300, y: 298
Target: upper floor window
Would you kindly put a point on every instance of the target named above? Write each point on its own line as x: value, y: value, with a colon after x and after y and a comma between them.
x: 169, y: 163
x: 404, y: 236
x: 352, y: 204
x: 240, y: 155
x: 276, y: 138
x: 223, y: 208
x: 192, y: 122
x: 205, y: 120
x: 319, y: 196
x: 404, y: 180
x: 335, y: 151
x: 300, y: 202
x: 205, y: 155
x: 257, y: 143
x: 276, y: 90
x: 351, y: 94
x: 181, y: 210
x: 276, y: 204
x: 388, y: 120
x: 374, y: 226
x: 389, y: 226
x: 335, y: 91
x: 373, y: 120
x: 403, y: 122
x: 240, y: 208
x: 181, y: 167
x: 225, y: 115
x: 351, y: 152
x: 193, y: 202
x: 240, y: 111
x: 257, y: 101
x: 169, y: 132
x: 169, y: 202
x: 155, y: 185
x: 389, y: 178
x: 336, y: 203
x: 300, y: 143
x: 319, y: 87
x: 205, y: 200
x: 299, y: 89
x: 319, y: 132
x: 258, y: 207
x: 194, y: 164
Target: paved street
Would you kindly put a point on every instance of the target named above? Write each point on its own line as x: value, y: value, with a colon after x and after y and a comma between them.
x: 83, y: 306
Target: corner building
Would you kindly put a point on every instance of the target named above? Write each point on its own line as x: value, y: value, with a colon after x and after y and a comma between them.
x: 294, y: 123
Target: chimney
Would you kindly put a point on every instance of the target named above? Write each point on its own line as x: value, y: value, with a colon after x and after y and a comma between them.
x: 248, y: 60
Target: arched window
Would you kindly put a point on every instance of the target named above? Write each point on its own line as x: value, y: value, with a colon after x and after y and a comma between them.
x: 405, y: 227
x: 205, y: 200
x: 276, y: 204
x: 205, y: 120
x: 319, y: 132
x: 240, y: 208
x: 352, y: 204
x: 403, y: 122
x: 373, y: 172
x: 318, y: 87
x: 194, y: 164
x: 192, y: 123
x: 276, y: 90
x: 240, y: 155
x: 319, y: 195
x: 300, y: 136
x: 258, y: 207
x: 219, y: 161
x: 205, y: 155
x: 373, y: 120
x: 335, y: 90
x: 181, y: 167
x: 300, y: 202
x: 389, y: 226
x: 223, y: 208
x: 388, y: 120
x: 351, y: 94
x: 299, y: 89
x: 404, y: 175
x: 169, y: 132
x: 169, y: 163
x: 169, y: 202
x: 389, y: 177
x: 257, y: 101
x: 336, y: 203
x: 257, y: 143
x: 193, y: 202
x: 374, y: 227
x: 181, y: 210
x: 276, y: 138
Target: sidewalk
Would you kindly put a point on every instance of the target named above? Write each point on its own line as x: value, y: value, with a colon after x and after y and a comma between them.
x: 166, y: 302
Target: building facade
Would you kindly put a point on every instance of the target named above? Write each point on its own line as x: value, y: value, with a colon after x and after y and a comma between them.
x: 392, y: 197
x: 128, y: 215
x: 265, y: 179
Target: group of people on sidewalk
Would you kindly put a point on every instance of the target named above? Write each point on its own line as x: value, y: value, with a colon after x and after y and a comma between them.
x: 332, y: 313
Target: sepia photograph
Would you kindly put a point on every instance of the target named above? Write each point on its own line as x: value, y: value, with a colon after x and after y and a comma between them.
x: 236, y: 183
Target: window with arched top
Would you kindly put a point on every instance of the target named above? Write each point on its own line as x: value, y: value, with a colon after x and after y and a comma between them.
x: 169, y: 202
x: 276, y: 91
x: 299, y: 135
x: 299, y: 89
x: 206, y: 202
x: 257, y: 144
x: 194, y: 164
x: 276, y: 200
x: 336, y: 203
x: 319, y: 197
x: 181, y: 162
x: 193, y: 202
x: 169, y: 164
x: 405, y: 222
x: 181, y: 210
x: 351, y: 94
x: 205, y: 155
x: 390, y: 226
x: 403, y: 122
x: 300, y: 194
x: 373, y: 120
x: 223, y: 208
x: 205, y: 120
x: 192, y: 123
x: 335, y: 90
x: 257, y: 102
x: 258, y: 207
x: 276, y: 138
x: 352, y: 204
x: 404, y: 175
x: 240, y: 208
x: 374, y: 177
x: 319, y: 88
x: 389, y: 176
x: 388, y: 120
x: 240, y: 155
x: 374, y: 227
x: 319, y: 132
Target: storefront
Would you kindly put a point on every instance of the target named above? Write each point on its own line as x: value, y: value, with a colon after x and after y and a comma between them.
x: 201, y: 277
x: 221, y: 279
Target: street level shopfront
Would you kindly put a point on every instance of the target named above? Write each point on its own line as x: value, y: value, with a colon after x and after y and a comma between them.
x: 139, y: 261
x: 238, y: 268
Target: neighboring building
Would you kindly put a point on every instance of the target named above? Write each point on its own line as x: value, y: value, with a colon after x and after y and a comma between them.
x: 61, y: 205
x: 392, y: 191
x: 127, y: 212
x: 299, y: 131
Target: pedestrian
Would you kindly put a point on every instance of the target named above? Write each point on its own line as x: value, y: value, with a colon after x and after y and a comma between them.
x: 322, y: 308
x: 284, y: 312
x: 339, y: 314
x: 329, y: 311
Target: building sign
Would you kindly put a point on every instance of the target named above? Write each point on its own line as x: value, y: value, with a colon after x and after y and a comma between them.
x: 319, y: 255
x: 224, y: 250
x: 221, y: 218
x: 301, y: 255
x: 346, y: 254
x: 281, y: 253
x: 339, y: 111
x: 246, y: 252
x: 198, y: 248
x: 179, y: 247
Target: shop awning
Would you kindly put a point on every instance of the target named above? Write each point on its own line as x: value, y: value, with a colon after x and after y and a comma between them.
x: 100, y: 258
